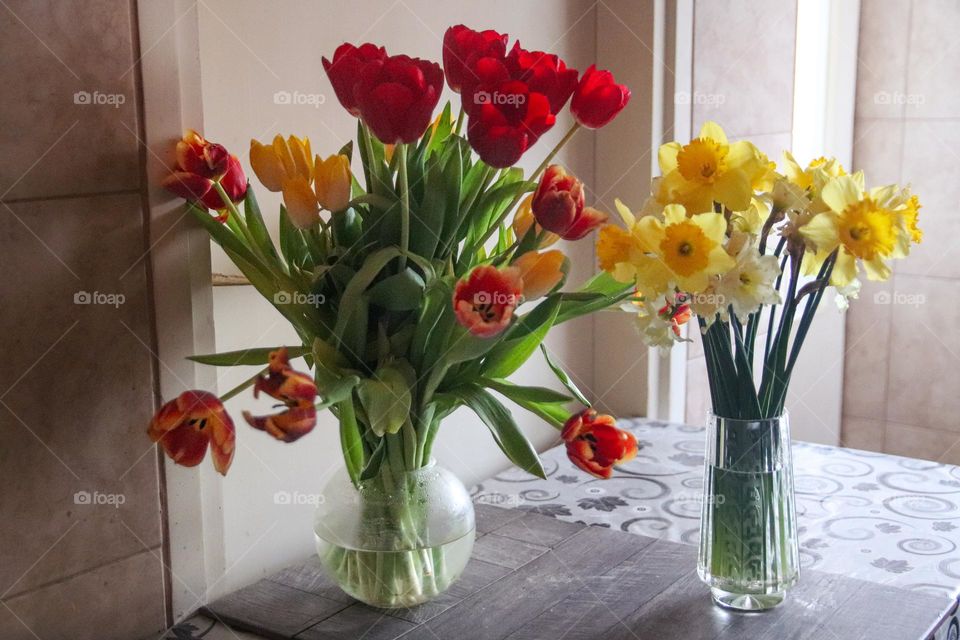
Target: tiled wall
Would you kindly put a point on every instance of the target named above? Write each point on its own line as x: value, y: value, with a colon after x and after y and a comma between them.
x: 903, y: 348
x: 742, y: 79
x: 80, y: 535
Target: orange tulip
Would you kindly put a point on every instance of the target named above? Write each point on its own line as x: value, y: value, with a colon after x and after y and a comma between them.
x: 296, y: 390
x: 541, y: 272
x: 187, y: 425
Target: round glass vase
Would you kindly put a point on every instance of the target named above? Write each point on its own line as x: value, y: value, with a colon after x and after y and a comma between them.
x: 398, y: 539
x: 748, y: 528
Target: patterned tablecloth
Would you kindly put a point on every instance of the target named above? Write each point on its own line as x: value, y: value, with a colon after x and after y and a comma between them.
x: 866, y: 515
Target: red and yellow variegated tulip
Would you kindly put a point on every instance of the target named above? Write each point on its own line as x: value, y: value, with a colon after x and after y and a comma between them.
x: 200, y: 163
x: 484, y: 303
x: 187, y: 425
x: 296, y: 390
x: 558, y: 205
x: 595, y: 444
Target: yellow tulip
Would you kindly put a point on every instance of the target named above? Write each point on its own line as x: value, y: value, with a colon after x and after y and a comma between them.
x: 301, y: 202
x: 281, y: 160
x: 332, y: 181
x: 541, y: 272
x: 522, y: 220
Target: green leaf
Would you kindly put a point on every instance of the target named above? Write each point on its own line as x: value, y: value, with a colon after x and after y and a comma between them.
x: 522, y: 339
x: 556, y: 414
x: 352, y: 302
x: 373, y: 464
x: 350, y: 441
x: 400, y: 292
x: 386, y: 398
x: 292, y: 244
x: 256, y: 225
x: 260, y: 355
x: 519, y: 393
x: 505, y: 431
x: 564, y: 377
x: 428, y: 218
x: 338, y: 392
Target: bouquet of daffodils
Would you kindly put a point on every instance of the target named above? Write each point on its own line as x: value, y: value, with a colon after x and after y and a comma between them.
x: 727, y: 238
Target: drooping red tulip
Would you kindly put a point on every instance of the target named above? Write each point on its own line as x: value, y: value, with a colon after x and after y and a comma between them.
x: 187, y: 425
x: 596, y: 444
x: 201, y: 162
x: 296, y: 390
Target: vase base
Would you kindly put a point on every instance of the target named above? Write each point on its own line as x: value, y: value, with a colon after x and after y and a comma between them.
x: 747, y: 601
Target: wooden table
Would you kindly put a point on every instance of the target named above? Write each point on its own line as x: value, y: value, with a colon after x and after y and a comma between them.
x: 533, y: 577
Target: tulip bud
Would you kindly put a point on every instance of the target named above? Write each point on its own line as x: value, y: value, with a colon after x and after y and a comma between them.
x: 540, y: 272
x: 332, y: 182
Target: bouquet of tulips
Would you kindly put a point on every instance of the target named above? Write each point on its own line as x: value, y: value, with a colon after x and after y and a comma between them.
x: 421, y: 284
x: 720, y: 235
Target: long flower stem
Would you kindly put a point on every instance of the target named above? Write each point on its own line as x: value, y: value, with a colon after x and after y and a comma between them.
x: 404, y: 206
x: 243, y: 385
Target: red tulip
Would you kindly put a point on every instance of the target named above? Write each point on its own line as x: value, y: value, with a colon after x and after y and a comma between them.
x: 598, y: 99
x: 595, y: 444
x: 345, y: 71
x: 187, y: 425
x: 544, y: 73
x: 462, y: 47
x: 507, y: 121
x: 558, y: 205
x: 201, y: 162
x: 397, y: 96
x: 484, y: 303
x: 296, y: 390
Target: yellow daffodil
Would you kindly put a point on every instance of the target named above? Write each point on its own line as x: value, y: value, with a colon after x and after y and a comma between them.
x: 522, y: 220
x: 859, y: 225
x: 629, y: 257
x: 690, y: 247
x: 753, y: 218
x: 911, y: 216
x: 815, y: 176
x: 541, y: 272
x: 710, y: 169
x: 286, y: 166
x: 332, y: 182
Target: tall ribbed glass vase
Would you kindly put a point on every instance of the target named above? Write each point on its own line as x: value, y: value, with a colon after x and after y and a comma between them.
x: 749, y: 552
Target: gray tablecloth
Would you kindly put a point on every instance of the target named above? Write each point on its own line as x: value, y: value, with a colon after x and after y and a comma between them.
x: 867, y: 515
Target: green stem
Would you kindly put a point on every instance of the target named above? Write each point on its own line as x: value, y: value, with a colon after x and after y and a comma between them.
x: 243, y: 385
x: 461, y: 116
x: 404, y: 206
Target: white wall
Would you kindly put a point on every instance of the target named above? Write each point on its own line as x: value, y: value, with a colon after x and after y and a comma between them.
x: 249, y: 50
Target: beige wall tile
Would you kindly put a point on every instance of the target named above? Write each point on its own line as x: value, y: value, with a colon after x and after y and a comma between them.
x: 744, y: 81
x: 862, y: 433
x: 865, y: 362
x: 924, y: 353
x: 922, y: 442
x: 877, y: 149
x: 76, y: 388
x: 930, y: 153
x: 120, y: 601
x: 882, y: 59
x: 934, y: 65
x: 52, y: 142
